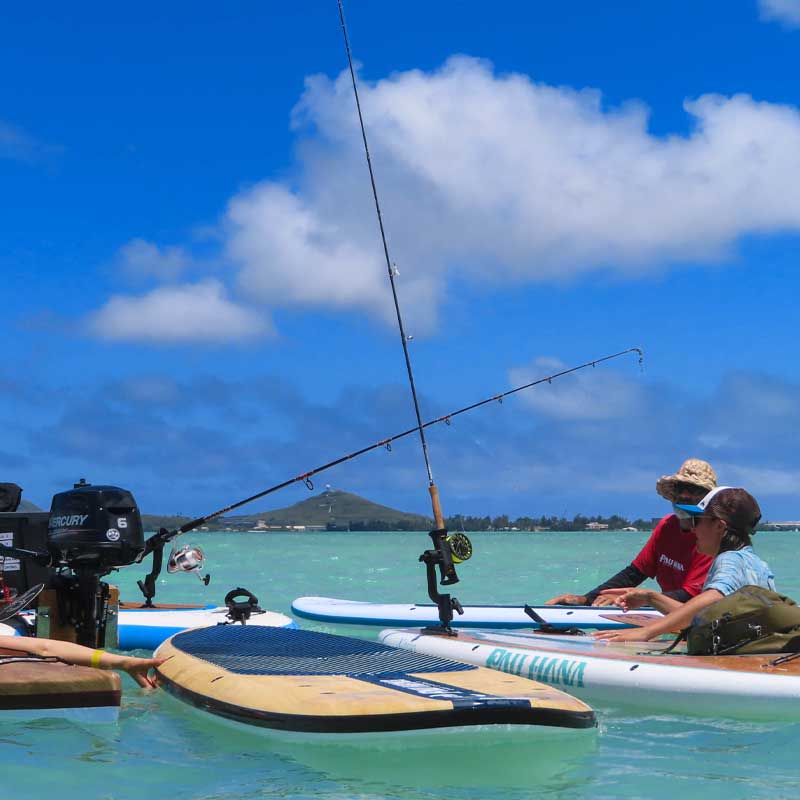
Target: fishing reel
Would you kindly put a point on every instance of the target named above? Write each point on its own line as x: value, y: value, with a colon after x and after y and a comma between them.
x: 187, y: 558
x: 460, y: 547
x: 447, y: 552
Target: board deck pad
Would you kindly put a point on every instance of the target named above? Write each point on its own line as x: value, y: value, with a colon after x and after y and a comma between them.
x: 356, y: 612
x: 295, y: 679
x: 249, y: 651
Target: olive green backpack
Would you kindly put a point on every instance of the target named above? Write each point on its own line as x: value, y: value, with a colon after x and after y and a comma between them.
x: 751, y: 621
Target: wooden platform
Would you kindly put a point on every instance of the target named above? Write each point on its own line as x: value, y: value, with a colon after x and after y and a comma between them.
x: 36, y: 688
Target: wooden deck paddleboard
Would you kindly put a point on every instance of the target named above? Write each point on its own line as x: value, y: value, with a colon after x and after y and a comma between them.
x: 309, y: 681
x: 356, y: 612
x: 32, y: 688
x: 631, y: 674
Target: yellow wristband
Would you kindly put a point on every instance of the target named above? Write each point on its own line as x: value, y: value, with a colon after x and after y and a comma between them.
x: 95, y: 659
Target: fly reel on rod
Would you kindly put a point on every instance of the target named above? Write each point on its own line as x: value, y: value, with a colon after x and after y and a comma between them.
x: 460, y: 547
x: 447, y: 552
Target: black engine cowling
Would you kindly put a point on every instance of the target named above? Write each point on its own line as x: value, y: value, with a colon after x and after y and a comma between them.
x: 96, y: 528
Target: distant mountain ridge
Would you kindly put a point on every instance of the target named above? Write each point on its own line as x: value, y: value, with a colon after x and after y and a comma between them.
x: 332, y: 509
x: 335, y: 507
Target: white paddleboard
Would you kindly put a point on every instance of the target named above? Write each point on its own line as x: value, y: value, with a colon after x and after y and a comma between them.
x: 354, y: 612
x: 147, y: 628
x: 627, y: 674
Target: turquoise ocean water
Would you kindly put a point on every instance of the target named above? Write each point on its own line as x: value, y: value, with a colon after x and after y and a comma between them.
x: 163, y: 749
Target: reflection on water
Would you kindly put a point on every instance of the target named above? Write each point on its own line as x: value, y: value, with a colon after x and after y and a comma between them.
x: 487, y: 757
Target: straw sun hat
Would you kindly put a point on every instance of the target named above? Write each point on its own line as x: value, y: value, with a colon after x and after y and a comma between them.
x: 693, y: 470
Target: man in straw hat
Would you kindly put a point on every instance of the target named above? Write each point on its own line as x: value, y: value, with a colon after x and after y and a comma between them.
x: 670, y: 554
x: 724, y: 522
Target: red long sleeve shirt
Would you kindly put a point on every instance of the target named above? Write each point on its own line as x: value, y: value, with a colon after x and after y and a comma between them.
x: 670, y: 556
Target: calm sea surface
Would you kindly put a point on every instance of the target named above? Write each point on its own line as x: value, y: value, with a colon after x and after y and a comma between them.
x: 162, y: 749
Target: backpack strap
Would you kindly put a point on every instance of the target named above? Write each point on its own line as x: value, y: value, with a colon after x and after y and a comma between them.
x: 673, y: 644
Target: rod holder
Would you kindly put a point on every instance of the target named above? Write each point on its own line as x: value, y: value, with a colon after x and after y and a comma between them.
x: 442, y: 558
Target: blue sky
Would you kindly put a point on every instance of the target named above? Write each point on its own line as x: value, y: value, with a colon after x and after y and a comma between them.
x: 195, y: 302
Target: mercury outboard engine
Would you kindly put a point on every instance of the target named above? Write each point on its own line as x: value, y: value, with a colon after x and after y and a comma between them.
x: 92, y: 530
x: 95, y: 528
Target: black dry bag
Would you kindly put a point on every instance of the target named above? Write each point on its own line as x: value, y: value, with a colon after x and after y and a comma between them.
x: 10, y: 496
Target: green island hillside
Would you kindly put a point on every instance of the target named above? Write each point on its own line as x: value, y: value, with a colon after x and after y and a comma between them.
x: 338, y: 510
x: 329, y: 510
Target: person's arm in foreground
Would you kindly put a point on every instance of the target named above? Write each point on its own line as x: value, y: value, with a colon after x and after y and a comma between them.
x: 628, y: 599
x: 674, y: 620
x: 137, y: 668
x: 625, y: 578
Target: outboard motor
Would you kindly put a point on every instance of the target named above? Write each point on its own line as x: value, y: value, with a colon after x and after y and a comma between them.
x: 92, y: 530
x: 96, y: 528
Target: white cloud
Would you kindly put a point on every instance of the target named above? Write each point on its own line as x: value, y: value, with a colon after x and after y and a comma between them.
x: 144, y: 259
x: 198, y: 312
x: 291, y: 254
x: 784, y: 11
x: 586, y: 395
x: 503, y: 179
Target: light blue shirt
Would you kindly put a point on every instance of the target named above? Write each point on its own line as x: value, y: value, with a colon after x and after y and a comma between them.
x: 736, y: 568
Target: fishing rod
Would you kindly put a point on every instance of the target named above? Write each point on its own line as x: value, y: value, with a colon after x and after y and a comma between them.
x: 387, y: 442
x: 155, y: 544
x: 444, y: 553
x: 434, y: 492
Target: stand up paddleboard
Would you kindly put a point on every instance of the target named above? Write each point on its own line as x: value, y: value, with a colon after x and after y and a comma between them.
x: 143, y: 628
x: 299, y: 680
x: 146, y: 628
x: 628, y: 673
x: 354, y: 612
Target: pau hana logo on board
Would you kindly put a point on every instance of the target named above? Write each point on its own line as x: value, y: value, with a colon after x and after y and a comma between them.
x: 556, y: 671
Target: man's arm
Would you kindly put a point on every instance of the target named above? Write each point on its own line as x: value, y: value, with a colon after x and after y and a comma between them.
x: 625, y: 578
x: 630, y: 576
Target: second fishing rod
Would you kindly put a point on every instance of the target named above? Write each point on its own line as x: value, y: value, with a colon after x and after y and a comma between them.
x: 155, y: 544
